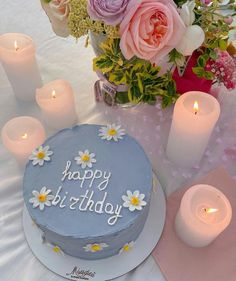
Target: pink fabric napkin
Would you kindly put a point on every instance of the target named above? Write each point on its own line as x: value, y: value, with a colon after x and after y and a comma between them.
x: 216, y: 262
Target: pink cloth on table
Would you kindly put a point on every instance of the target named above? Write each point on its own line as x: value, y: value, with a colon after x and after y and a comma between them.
x: 216, y: 262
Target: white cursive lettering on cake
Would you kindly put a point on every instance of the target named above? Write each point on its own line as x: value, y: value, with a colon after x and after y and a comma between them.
x: 85, y: 202
x: 89, y: 200
x: 86, y: 176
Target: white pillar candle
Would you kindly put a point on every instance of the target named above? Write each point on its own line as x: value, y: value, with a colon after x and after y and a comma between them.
x: 194, y: 118
x: 56, y: 101
x: 21, y: 135
x: 17, y: 54
x: 203, y: 214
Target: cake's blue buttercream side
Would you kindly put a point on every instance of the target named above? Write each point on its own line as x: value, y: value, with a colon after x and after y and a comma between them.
x: 72, y: 227
x: 115, y: 241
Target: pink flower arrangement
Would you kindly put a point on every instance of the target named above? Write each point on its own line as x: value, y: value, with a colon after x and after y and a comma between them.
x: 152, y: 47
x: 150, y: 29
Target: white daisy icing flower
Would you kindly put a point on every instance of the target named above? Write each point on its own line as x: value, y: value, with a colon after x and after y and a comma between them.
x: 55, y: 249
x: 40, y: 154
x: 85, y: 159
x: 127, y: 247
x: 111, y: 132
x: 97, y: 247
x: 42, y: 198
x: 134, y: 201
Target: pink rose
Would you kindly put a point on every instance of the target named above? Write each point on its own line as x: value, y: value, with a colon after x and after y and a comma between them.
x: 58, y: 12
x: 150, y: 29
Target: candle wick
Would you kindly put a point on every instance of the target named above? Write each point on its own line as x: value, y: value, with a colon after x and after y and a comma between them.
x: 195, y: 112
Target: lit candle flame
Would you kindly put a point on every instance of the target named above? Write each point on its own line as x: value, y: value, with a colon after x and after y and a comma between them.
x: 196, y: 107
x: 53, y: 94
x: 24, y: 136
x: 16, y: 46
x: 210, y: 210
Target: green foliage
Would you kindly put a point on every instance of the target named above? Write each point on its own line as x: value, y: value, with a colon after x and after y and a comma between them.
x: 141, y: 77
x: 175, y: 56
x: 211, y: 20
x: 103, y: 63
x: 202, y: 73
x: 200, y: 70
x: 223, y: 44
x: 47, y: 1
x: 216, y: 30
x: 179, y: 2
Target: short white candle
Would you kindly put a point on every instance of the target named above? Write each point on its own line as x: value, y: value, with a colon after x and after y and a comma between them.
x: 21, y: 135
x: 56, y: 101
x: 203, y: 214
x: 194, y: 118
x: 17, y: 54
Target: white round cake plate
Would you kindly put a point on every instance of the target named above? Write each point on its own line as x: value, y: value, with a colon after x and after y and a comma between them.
x: 104, y: 269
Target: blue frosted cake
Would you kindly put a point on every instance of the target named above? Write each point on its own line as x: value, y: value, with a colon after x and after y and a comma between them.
x: 88, y: 189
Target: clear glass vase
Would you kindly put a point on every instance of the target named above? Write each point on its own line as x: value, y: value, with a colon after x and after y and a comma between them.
x: 111, y: 94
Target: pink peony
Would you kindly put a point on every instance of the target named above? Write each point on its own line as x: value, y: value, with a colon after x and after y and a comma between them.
x: 150, y: 29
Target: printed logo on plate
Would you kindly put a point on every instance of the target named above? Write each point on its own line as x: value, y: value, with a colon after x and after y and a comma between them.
x: 81, y: 274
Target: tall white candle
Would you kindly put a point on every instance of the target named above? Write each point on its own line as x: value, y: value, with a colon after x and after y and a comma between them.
x: 203, y: 214
x: 194, y: 118
x: 17, y: 54
x: 21, y: 135
x: 56, y: 101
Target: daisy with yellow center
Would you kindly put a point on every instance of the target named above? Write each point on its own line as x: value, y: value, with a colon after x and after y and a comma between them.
x: 97, y: 247
x: 127, y: 247
x: 56, y: 249
x: 111, y: 132
x: 40, y: 155
x: 134, y: 201
x: 85, y: 159
x: 42, y: 198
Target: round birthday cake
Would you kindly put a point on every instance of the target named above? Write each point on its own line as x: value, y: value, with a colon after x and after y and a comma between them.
x: 88, y: 189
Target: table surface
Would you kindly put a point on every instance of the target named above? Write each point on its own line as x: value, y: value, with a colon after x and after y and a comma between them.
x: 70, y: 60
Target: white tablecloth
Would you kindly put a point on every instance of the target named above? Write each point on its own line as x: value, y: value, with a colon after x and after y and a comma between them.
x: 64, y: 58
